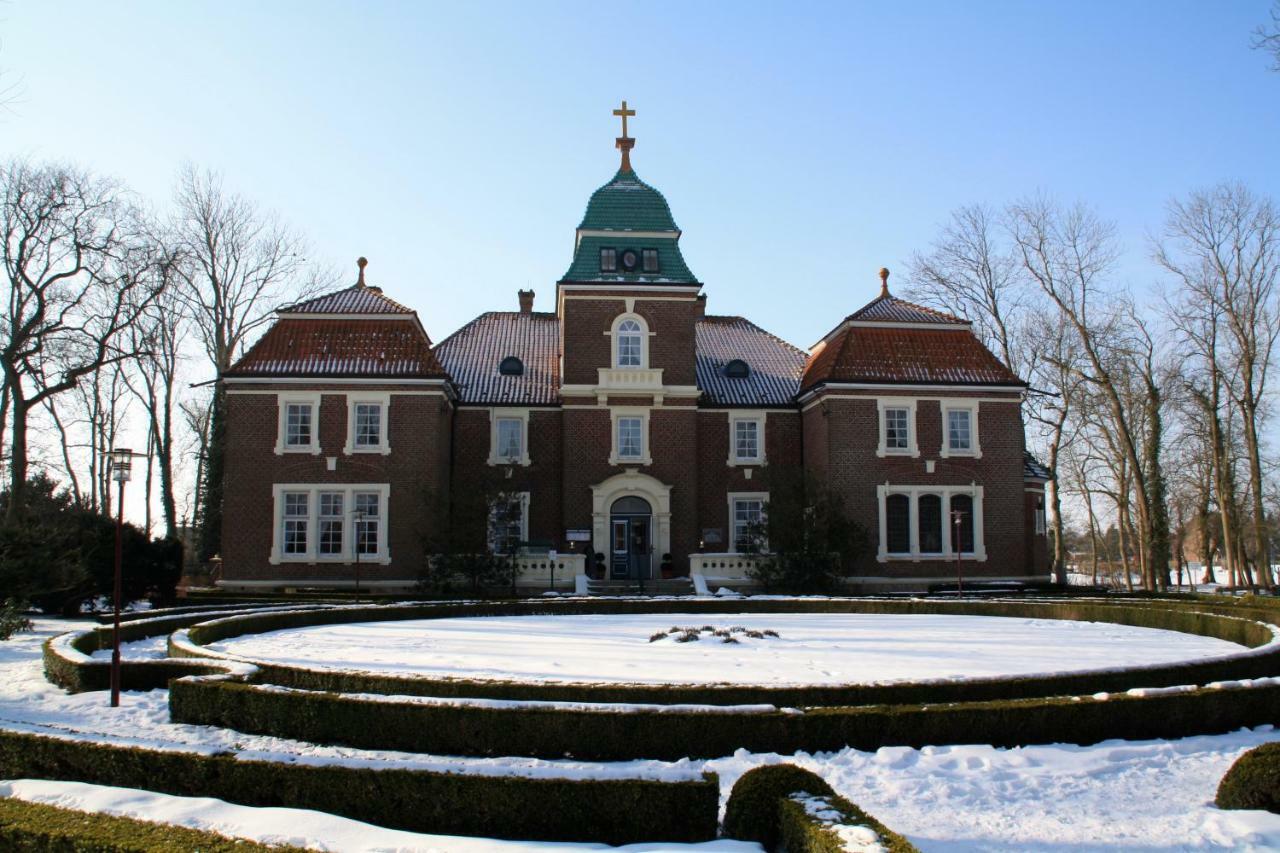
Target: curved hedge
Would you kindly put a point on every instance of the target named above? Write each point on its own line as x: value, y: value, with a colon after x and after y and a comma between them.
x: 38, y: 828
x: 751, y: 814
x: 1253, y: 782
x: 801, y: 831
x: 616, y: 811
x: 1237, y: 627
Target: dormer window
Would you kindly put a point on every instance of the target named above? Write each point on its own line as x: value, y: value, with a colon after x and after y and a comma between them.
x: 650, y: 260
x: 608, y: 260
x: 629, y: 260
x: 737, y: 369
x: 511, y: 366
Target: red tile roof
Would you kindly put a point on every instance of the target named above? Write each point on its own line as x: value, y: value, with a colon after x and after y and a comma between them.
x: 310, y: 346
x: 357, y: 299
x: 888, y: 355
x: 887, y: 308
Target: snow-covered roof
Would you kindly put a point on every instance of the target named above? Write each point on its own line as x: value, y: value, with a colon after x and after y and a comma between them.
x: 473, y: 354
x: 320, y: 347
x: 1033, y: 469
x: 357, y: 299
x: 774, y: 366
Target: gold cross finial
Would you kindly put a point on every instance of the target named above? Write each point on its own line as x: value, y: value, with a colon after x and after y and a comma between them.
x: 624, y: 112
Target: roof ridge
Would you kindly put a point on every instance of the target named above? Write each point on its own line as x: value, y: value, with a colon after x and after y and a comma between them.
x: 374, y: 292
x: 899, y: 302
x: 758, y: 328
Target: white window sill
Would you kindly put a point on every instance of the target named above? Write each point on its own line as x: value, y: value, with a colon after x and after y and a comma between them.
x: 371, y: 559
x: 630, y: 460
x: 375, y: 449
x: 947, y: 453
x: 907, y: 453
x: 313, y: 450
x: 510, y: 460
x: 745, y: 463
x: 966, y: 557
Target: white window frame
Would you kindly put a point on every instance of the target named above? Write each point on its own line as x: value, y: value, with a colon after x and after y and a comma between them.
x: 616, y: 414
x: 644, y: 333
x: 521, y: 415
x: 384, y: 402
x: 283, y: 401
x: 914, y: 493
x: 734, y: 497
x: 313, y: 555
x: 756, y: 417
x: 523, y: 497
x: 960, y: 405
x: 909, y: 403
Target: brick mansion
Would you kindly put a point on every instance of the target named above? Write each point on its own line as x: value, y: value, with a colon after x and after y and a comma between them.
x: 629, y: 422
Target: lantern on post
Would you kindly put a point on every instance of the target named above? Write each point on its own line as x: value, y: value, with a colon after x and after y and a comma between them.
x: 121, y: 463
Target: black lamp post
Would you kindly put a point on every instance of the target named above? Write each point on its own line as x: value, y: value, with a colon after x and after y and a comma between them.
x: 121, y: 468
x: 357, y: 516
x: 957, y: 516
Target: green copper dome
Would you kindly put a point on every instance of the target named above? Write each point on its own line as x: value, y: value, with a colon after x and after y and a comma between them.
x: 624, y: 215
x: 627, y: 203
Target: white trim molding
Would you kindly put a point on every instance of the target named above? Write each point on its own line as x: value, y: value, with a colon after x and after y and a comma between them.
x: 616, y: 413
x: 631, y: 483
x: 913, y: 446
x: 643, y: 333
x: 959, y: 404
x: 312, y: 556
x: 382, y: 399
x: 514, y: 414
x: 737, y: 416
x: 913, y: 495
x: 297, y: 398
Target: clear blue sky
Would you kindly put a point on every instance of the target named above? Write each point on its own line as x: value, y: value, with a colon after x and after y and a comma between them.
x: 801, y: 146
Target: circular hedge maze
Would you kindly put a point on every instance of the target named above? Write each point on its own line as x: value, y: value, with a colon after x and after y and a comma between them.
x: 440, y: 713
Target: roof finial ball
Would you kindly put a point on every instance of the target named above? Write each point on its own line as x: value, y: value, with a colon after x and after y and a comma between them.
x: 884, y: 281
x: 361, y: 263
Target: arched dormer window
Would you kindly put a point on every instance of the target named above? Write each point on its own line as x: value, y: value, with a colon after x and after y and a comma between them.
x: 630, y: 341
x: 737, y: 369
x: 511, y: 366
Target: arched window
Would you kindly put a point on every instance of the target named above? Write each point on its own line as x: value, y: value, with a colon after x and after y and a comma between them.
x: 511, y: 366
x: 929, y: 511
x: 629, y: 342
x: 897, y: 511
x: 737, y: 369
x: 961, y: 534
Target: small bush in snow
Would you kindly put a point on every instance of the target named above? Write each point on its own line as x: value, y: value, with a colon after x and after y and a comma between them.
x: 12, y: 619
x: 1253, y: 782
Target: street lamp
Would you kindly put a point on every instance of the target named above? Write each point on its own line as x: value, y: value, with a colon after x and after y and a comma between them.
x: 121, y: 468
x: 957, y: 516
x: 357, y: 516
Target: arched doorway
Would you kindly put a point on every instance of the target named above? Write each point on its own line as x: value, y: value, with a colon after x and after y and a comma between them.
x: 631, y: 538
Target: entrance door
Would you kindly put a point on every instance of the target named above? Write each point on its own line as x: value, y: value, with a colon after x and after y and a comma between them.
x: 631, y: 552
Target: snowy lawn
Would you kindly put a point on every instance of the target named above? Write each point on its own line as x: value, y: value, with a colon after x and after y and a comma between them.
x: 1149, y: 796
x: 812, y: 648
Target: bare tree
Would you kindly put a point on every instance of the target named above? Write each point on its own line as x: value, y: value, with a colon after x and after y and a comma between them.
x: 1223, y: 247
x: 1267, y: 37
x: 69, y: 296
x: 1070, y: 254
x: 240, y: 264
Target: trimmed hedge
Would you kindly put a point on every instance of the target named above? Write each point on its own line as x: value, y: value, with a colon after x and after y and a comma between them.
x: 800, y: 832
x: 38, y: 828
x: 752, y: 811
x: 623, y: 734
x: 1234, y: 627
x: 615, y: 811
x: 1253, y: 782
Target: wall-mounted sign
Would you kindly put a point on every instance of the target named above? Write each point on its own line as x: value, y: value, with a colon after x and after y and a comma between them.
x: 577, y: 535
x: 711, y: 536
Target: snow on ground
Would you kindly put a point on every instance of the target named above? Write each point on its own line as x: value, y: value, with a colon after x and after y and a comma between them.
x: 151, y: 648
x: 1148, y: 795
x: 300, y: 827
x: 812, y: 648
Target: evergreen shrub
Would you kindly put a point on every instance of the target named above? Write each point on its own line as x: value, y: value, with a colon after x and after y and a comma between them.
x: 1253, y: 782
x: 752, y: 811
x: 801, y: 832
x: 614, y: 811
x: 39, y: 828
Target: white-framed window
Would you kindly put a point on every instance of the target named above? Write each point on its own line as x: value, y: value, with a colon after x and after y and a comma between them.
x: 747, y: 512
x: 299, y: 423
x: 897, y: 427
x: 509, y: 437
x: 746, y: 438
x: 367, y: 423
x: 1040, y: 521
x: 630, y: 437
x: 630, y: 333
x: 332, y: 520
x: 920, y: 522
x: 328, y: 522
x: 295, y: 521
x: 508, y: 522
x: 960, y: 428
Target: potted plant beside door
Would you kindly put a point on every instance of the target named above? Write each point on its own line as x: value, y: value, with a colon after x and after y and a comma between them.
x: 668, y: 570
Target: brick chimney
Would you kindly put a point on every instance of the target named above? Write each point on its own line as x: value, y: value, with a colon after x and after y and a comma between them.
x: 526, y: 301
x: 701, y: 310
